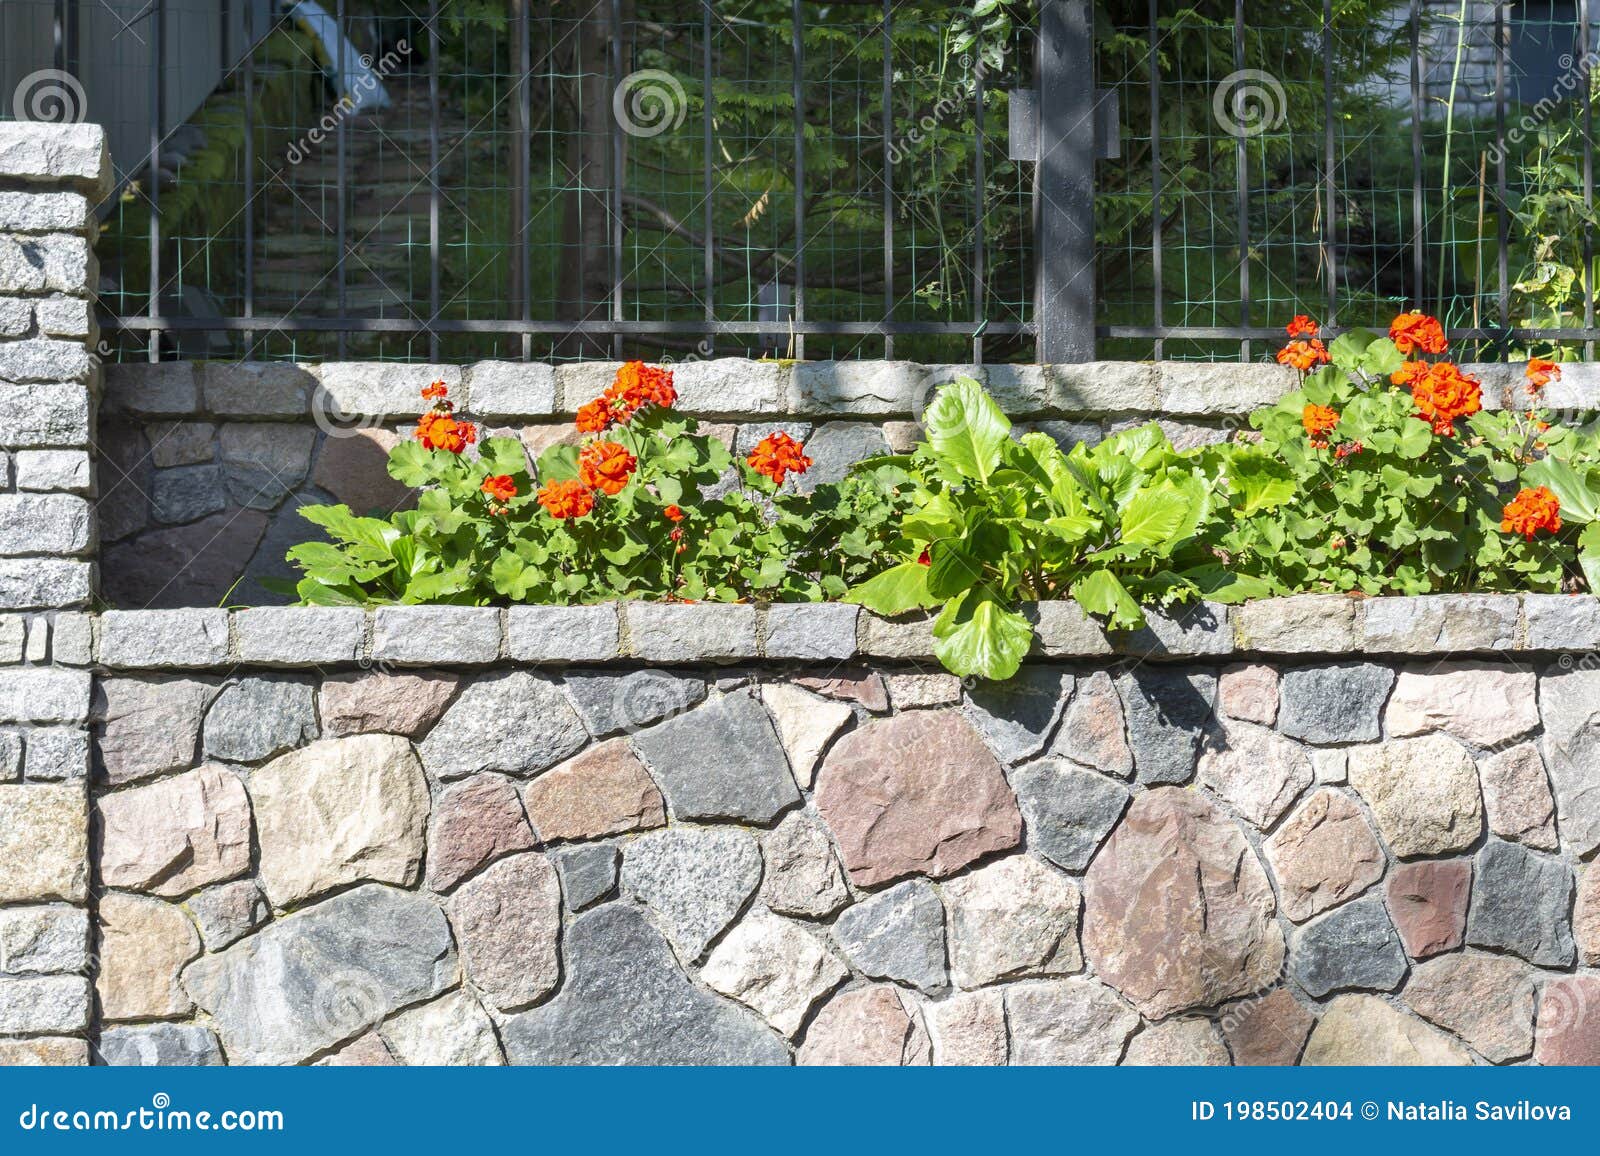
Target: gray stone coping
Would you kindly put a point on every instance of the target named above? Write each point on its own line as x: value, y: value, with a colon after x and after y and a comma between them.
x: 711, y: 633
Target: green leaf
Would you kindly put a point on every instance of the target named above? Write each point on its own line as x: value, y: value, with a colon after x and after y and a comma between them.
x: 1260, y: 481
x: 895, y: 591
x: 1102, y: 592
x: 966, y: 429
x: 1162, y: 515
x: 504, y: 456
x: 558, y: 463
x: 1589, y: 555
x: 953, y: 570
x: 1573, y: 489
x: 976, y: 635
x: 412, y: 465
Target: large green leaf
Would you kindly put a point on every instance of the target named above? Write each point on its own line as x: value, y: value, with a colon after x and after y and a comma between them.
x: 1158, y: 517
x: 976, y: 635
x: 1572, y: 487
x: 966, y: 429
x: 1259, y: 481
x: 1102, y: 592
x: 953, y: 570
x: 1589, y: 555
x: 895, y: 591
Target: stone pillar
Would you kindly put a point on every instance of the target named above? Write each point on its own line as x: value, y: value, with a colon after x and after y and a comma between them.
x: 50, y: 177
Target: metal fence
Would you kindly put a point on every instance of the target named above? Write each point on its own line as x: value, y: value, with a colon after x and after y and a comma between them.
x: 1129, y: 178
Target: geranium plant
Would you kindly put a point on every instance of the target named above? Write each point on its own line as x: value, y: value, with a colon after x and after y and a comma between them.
x: 1407, y: 484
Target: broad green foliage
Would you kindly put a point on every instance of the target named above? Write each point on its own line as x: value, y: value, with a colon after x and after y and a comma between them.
x: 996, y: 521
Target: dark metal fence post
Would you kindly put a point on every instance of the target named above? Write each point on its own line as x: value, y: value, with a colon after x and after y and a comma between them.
x: 1064, y: 241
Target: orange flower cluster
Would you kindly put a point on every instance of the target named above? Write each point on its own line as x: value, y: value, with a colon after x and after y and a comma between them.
x: 437, y: 429
x: 1302, y: 326
x: 500, y: 487
x: 1442, y: 393
x: 1414, y: 331
x: 635, y: 386
x: 1541, y: 373
x: 568, y: 499
x: 1531, y: 511
x: 1319, y: 421
x: 1304, y: 355
x: 606, y: 466
x: 673, y: 513
x: 776, y: 456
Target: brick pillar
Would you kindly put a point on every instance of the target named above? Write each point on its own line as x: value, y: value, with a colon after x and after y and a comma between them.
x: 50, y: 177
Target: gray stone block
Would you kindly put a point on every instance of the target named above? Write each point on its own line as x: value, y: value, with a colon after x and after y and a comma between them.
x: 1522, y: 903
x: 42, y: 152
x: 1068, y: 811
x: 300, y: 635
x: 163, y: 639
x: 187, y: 493
x: 588, y: 873
x: 733, y: 386
x: 1196, y: 628
x: 263, y: 461
x: 23, y: 211
x: 72, y: 639
x: 379, y: 389
x: 1440, y: 624
x: 562, y: 633
x: 159, y: 1046
x: 43, y: 1004
x: 510, y: 389
x: 701, y: 632
x: 425, y: 635
x: 898, y: 935
x: 43, y: 471
x: 43, y: 694
x: 1300, y: 624
x: 1063, y: 630
x: 44, y: 524
x: 45, y: 359
x: 887, y: 388
x: 834, y: 448
x: 1018, y: 716
x: 65, y: 317
x: 51, y: 263
x: 257, y: 718
x: 56, y: 754
x: 41, y: 583
x: 162, y: 389
x: 720, y: 761
x: 1168, y: 712
x: 48, y: 939
x: 1198, y: 387
x: 45, y: 415
x: 256, y: 389
x: 614, y: 703
x: 907, y: 636
x: 1351, y: 948
x: 1562, y: 621
x: 16, y: 316
x: 1337, y: 703
x: 518, y: 722
x: 1099, y: 387
x: 815, y: 631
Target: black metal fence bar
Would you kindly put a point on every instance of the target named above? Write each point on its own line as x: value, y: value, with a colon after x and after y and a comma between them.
x: 158, y: 31
x: 1154, y: 65
x: 1330, y: 175
x: 799, y: 262
x: 600, y: 327
x: 888, y: 174
x: 1502, y: 225
x: 435, y: 252
x: 1585, y: 73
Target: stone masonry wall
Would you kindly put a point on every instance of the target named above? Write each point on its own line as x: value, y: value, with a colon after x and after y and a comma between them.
x: 1314, y: 830
x: 49, y: 176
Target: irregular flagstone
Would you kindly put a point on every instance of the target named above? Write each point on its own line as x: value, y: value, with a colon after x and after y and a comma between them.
x: 147, y: 727
x: 802, y: 874
x: 1014, y: 917
x: 518, y: 723
x: 603, y: 791
x: 1167, y: 712
x: 368, y: 1051
x: 256, y: 718
x: 897, y: 934
x: 1068, y: 811
x: 1336, y: 703
x: 627, y: 1002
x: 696, y: 880
x: 1093, y: 732
x: 1484, y: 704
x: 1352, y: 947
x: 507, y: 922
x: 1249, y: 693
x: 228, y: 912
x: 176, y: 834
x: 1487, y: 1000
x: 860, y: 686
x: 612, y: 703
x: 1178, y: 1043
x: 1067, y: 1021
x: 1255, y: 769
x: 910, y: 691
x: 451, y: 1031
x: 1363, y: 1030
x: 720, y: 761
x: 1522, y: 902
x: 1516, y: 797
x: 968, y: 1029
x: 1266, y: 1030
x: 1423, y: 792
x: 159, y: 1046
x: 919, y: 793
x: 398, y: 702
x: 143, y: 946
x: 1177, y: 910
x: 324, y: 975
x: 588, y: 873
x: 1017, y: 717
x: 474, y: 822
x: 1586, y: 920
x: 865, y: 1026
x: 339, y: 811
x: 1323, y: 854
x: 1568, y: 1028
x: 1428, y: 901
x: 806, y: 724
x: 1569, y: 702
x: 776, y: 966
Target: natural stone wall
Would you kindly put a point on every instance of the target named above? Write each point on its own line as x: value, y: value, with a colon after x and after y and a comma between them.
x: 452, y: 835
x: 49, y: 376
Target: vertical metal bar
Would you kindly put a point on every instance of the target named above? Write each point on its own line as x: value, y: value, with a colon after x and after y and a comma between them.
x: 1330, y: 171
x: 224, y: 37
x: 74, y: 15
x: 1503, y: 226
x: 1588, y: 173
x: 1418, y: 228
x: 614, y: 130
x: 1241, y: 159
x: 434, y: 247
x: 339, y: 221
x: 1155, y: 179
x: 524, y: 172
x: 799, y: 267
x: 249, y: 168
x: 708, y: 221
x: 158, y: 62
x: 1064, y: 230
x: 888, y: 176
x: 58, y: 33
x: 980, y: 240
